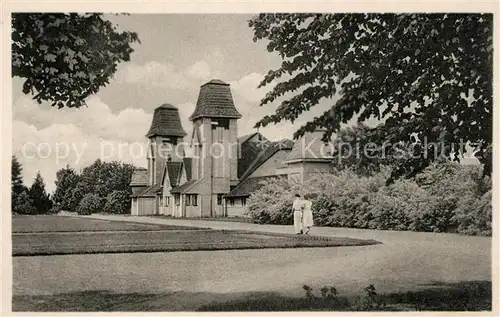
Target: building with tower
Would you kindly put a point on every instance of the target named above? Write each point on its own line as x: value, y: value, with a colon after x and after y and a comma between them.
x: 222, y: 169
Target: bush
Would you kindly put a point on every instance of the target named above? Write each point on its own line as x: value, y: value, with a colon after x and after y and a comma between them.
x: 23, y: 204
x: 272, y: 202
x: 475, y: 217
x: 55, y: 209
x: 118, y: 202
x: 344, y: 199
x: 446, y: 197
x: 91, y: 203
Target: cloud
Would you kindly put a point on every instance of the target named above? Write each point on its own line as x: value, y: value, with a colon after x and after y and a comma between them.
x: 200, y: 70
x: 247, y: 99
x: 246, y: 87
x: 51, y: 148
x: 163, y: 74
x: 46, y: 139
x: 96, y: 119
x: 152, y: 73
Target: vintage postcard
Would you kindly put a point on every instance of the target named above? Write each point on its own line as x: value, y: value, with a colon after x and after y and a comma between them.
x: 243, y: 157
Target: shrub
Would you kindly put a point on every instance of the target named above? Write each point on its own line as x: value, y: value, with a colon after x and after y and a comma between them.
x: 23, y: 204
x: 445, y: 197
x: 55, y: 209
x: 118, y: 202
x: 91, y: 203
x: 343, y: 198
x: 475, y: 217
x: 272, y: 202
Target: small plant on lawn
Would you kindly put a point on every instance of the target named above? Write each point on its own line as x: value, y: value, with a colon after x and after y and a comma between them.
x: 371, y: 300
x: 328, y: 299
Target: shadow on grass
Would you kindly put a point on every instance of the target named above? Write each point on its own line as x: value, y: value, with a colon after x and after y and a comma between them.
x: 463, y: 296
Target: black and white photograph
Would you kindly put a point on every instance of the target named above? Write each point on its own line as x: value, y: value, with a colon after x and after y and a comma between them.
x: 262, y: 161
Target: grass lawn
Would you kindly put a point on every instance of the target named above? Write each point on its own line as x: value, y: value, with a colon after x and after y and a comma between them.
x: 49, y: 223
x: 225, y: 219
x: 57, y: 235
x: 465, y: 296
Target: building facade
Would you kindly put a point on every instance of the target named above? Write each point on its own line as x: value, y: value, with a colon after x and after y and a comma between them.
x: 222, y: 169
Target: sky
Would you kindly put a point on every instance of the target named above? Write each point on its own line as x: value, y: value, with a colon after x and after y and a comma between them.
x: 177, y: 54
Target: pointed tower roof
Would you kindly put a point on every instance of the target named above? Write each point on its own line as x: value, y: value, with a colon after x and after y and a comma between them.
x: 215, y: 101
x: 166, y: 122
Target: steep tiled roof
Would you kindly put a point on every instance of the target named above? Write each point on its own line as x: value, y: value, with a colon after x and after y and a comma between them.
x: 174, y: 169
x: 166, y: 122
x: 242, y: 139
x: 187, y: 161
x: 216, y: 101
x: 139, y: 177
x: 249, y: 185
x: 183, y: 187
x: 266, y: 154
x: 310, y: 147
x: 148, y: 192
x: 249, y: 150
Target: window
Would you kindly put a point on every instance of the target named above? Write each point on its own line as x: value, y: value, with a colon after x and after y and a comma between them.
x: 188, y: 200
x: 243, y: 201
x: 220, y: 122
x: 177, y: 199
x: 231, y: 201
x: 167, y: 201
x: 219, y: 199
x: 172, y: 141
x: 194, y: 199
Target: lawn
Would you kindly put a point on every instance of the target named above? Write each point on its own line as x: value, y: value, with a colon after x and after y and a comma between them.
x: 57, y: 235
x: 465, y: 296
x: 47, y: 223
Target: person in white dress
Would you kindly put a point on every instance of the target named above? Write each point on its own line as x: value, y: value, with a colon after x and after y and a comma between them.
x: 307, y: 214
x: 297, y: 214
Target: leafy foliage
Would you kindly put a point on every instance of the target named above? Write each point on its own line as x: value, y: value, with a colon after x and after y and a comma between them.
x: 118, y: 202
x: 64, y: 58
x: 426, y: 75
x: 108, y: 180
x: 475, y: 218
x: 77, y: 194
x: 271, y: 202
x: 446, y: 197
x: 23, y: 204
x: 66, y: 181
x: 91, y: 203
x: 41, y: 200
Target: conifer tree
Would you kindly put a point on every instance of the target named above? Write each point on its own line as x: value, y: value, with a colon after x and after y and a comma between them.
x: 41, y: 200
x: 16, y: 181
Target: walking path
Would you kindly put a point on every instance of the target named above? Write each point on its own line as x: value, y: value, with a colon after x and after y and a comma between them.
x: 404, y: 261
x: 384, y: 236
